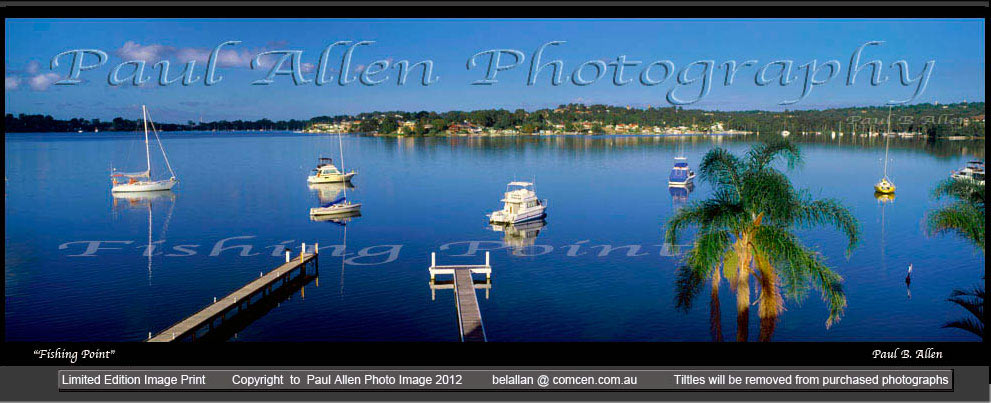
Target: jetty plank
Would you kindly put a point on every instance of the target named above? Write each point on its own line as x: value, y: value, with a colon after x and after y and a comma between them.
x: 469, y: 316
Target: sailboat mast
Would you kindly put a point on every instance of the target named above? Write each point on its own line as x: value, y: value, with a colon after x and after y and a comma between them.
x: 340, y: 144
x: 144, y: 117
x: 886, y: 141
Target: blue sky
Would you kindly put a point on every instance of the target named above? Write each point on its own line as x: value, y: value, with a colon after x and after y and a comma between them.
x: 955, y: 46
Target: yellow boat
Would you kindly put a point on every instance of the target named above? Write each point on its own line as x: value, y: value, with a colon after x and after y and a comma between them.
x: 884, y: 187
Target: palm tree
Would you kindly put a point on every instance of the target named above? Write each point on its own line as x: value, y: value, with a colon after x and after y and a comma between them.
x: 746, y: 228
x: 965, y: 217
x: 973, y: 302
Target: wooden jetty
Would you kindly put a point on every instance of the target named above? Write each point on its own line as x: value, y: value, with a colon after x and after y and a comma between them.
x: 242, y: 299
x: 469, y: 316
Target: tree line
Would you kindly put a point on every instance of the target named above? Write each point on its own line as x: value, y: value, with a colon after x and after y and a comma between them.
x: 932, y: 119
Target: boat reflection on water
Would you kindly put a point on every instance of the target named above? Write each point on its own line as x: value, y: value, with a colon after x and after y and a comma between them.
x: 679, y: 194
x: 140, y: 200
x: 328, y: 192
x: 144, y: 201
x: 339, y: 219
x: 883, y: 199
x: 520, y: 236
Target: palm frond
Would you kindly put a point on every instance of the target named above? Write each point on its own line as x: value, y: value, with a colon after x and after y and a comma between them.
x: 972, y: 301
x: 963, y: 190
x: 783, y: 248
x: 688, y: 285
x: 828, y: 212
x: 763, y: 154
x: 960, y: 217
x: 708, y: 251
x: 969, y: 325
x: 771, y: 193
x: 721, y: 168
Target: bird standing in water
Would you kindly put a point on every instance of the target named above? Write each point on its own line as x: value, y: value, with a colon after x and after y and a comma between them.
x: 908, y: 281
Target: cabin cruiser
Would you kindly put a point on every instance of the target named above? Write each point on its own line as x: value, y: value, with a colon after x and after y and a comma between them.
x: 520, y: 204
x: 327, y: 172
x: 974, y: 171
x: 681, y: 174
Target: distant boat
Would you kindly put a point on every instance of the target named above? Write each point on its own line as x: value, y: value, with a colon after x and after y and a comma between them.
x: 974, y: 171
x: 327, y: 172
x: 141, y: 181
x: 885, y: 186
x: 520, y: 204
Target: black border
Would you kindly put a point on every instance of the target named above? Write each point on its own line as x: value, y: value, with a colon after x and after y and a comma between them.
x: 500, y: 354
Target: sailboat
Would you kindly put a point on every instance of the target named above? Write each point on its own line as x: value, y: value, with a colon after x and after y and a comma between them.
x: 341, y: 206
x: 327, y: 172
x: 885, y: 186
x: 141, y: 181
x: 681, y: 174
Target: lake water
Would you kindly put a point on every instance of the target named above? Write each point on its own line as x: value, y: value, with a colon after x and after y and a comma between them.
x: 419, y: 195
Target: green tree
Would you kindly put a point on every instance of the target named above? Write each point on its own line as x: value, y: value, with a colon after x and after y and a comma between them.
x: 747, y: 227
x: 388, y: 126
x: 439, y: 125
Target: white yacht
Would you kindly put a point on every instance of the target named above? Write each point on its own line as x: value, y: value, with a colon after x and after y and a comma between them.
x: 974, y: 171
x: 520, y: 204
x: 141, y: 181
x: 327, y: 172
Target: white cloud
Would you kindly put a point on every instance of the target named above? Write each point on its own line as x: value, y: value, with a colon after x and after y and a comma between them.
x: 149, y: 53
x: 42, y: 81
x: 11, y: 83
x: 33, y: 67
x: 307, y: 67
x: 225, y: 58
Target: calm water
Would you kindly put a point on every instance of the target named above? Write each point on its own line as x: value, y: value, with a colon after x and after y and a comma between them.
x: 419, y: 195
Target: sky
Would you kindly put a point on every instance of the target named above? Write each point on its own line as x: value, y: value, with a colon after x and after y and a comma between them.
x: 954, y: 48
